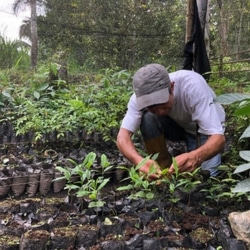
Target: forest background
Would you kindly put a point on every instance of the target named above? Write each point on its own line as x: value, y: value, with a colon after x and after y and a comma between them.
x: 127, y: 34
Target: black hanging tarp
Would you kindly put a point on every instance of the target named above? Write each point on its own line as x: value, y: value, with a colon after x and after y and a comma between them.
x: 195, y: 54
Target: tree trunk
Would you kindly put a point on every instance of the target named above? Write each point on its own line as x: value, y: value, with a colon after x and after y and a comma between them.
x: 223, y: 31
x: 239, y: 35
x: 34, y: 36
x: 223, y: 35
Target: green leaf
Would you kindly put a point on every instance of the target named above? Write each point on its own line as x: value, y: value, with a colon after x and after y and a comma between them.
x: 71, y: 187
x: 6, y: 94
x: 93, y: 196
x: 59, y: 178
x: 89, y: 159
x: 96, y: 204
x: 242, y: 186
x: 150, y: 195
x: 104, y: 161
x: 244, y: 110
x: 54, y: 67
x: 82, y: 193
x: 231, y: 98
x: 123, y: 188
x: 242, y: 168
x: 107, y: 221
x: 42, y: 87
x: 36, y: 94
x: 103, y: 183
x: 140, y: 194
x: 245, y: 154
x: 142, y: 162
x: 246, y: 133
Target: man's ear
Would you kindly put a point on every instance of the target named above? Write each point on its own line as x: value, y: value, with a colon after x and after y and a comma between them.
x: 171, y: 89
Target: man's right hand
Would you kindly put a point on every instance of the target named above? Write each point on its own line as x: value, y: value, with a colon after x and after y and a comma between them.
x: 145, y: 169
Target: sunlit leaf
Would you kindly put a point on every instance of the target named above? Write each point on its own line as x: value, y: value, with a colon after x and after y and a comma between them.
x: 42, y: 87
x: 36, y: 94
x: 245, y: 154
x: 246, y: 133
x: 242, y: 168
x: 150, y: 195
x: 231, y: 98
x: 242, y: 186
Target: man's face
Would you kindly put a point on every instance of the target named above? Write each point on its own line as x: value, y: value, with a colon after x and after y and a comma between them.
x: 162, y: 109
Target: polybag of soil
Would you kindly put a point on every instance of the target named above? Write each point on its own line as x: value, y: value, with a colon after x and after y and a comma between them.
x: 58, y: 185
x: 33, y: 180
x: 46, y: 178
x: 34, y: 240
x: 5, y: 182
x: 19, y: 181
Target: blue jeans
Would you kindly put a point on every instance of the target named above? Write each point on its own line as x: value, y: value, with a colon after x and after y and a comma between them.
x: 153, y: 126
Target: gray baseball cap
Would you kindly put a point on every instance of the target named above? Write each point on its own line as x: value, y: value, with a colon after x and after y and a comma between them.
x: 151, y: 85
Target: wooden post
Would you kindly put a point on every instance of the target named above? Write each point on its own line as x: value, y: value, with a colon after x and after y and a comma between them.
x: 189, y: 20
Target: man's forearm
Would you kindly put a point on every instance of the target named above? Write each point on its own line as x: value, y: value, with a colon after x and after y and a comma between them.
x: 214, y: 145
x: 127, y: 148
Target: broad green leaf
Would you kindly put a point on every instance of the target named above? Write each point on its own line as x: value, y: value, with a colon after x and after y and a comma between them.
x: 242, y: 186
x: 242, y: 168
x: 244, y: 110
x: 42, y: 87
x: 246, y: 133
x: 245, y: 154
x: 231, y: 98
x: 36, y: 94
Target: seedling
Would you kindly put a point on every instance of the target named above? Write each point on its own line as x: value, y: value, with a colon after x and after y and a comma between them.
x: 87, y: 185
x: 140, y: 184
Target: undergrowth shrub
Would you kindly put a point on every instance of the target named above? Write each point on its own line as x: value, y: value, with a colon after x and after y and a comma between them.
x: 44, y: 106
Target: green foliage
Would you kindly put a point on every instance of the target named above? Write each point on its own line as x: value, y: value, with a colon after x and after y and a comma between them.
x: 243, y: 109
x: 42, y: 105
x: 142, y: 186
x: 14, y: 54
x: 87, y: 185
x: 133, y: 33
x: 184, y: 181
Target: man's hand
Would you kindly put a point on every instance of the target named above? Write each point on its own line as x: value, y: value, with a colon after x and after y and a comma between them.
x: 186, y: 162
x: 146, y: 168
